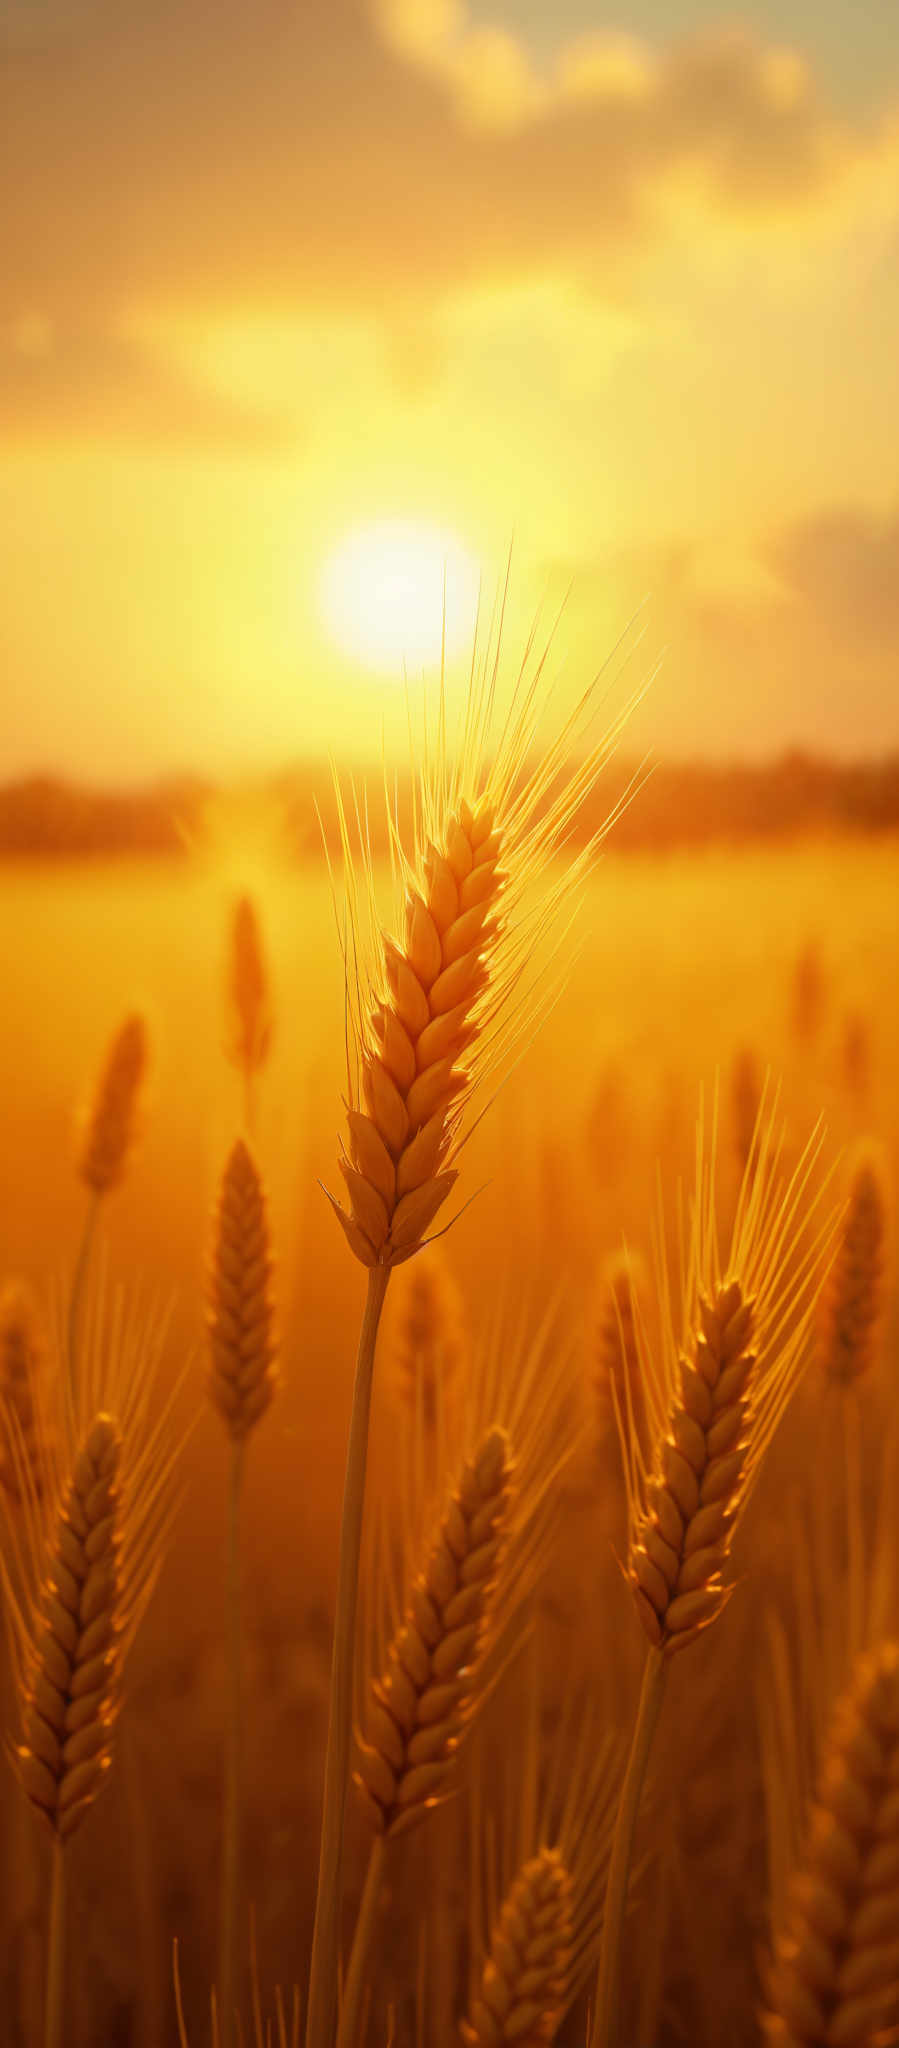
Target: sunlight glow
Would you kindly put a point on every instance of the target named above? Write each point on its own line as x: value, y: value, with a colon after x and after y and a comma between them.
x: 383, y: 594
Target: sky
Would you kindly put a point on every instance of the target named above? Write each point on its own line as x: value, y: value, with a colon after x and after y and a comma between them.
x: 301, y: 303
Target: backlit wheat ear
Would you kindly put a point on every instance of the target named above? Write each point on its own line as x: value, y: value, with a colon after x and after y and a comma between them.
x: 833, y: 1981
x: 722, y: 1382
x: 72, y: 1686
x: 250, y: 1033
x: 111, y: 1128
x: 22, y: 1373
x: 397, y: 1173
x: 80, y: 1561
x: 540, y: 1847
x: 430, y: 1016
x: 422, y: 1342
x: 421, y: 1701
x: 681, y: 1543
x: 714, y: 1395
x: 521, y: 1996
x: 852, y: 1302
x: 431, y: 1013
x: 242, y: 1372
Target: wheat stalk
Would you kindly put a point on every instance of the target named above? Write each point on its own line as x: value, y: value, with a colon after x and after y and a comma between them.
x: 241, y: 1382
x: 22, y: 1369
x: 833, y: 1979
x: 540, y: 1849
x: 430, y: 1016
x: 521, y: 1996
x: 80, y: 1557
x: 423, y: 1696
x: 430, y: 1011
x: 111, y: 1126
x: 242, y: 1372
x: 852, y: 1302
x: 250, y: 1032
x: 396, y: 1172
x: 107, y: 1141
x: 680, y: 1542
x: 71, y: 1696
x: 444, y: 1624
x: 429, y: 1687
x: 714, y: 1396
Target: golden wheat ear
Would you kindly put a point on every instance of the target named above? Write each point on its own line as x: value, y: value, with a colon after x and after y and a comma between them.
x: 428, y: 1687
x: 853, y: 1299
x: 834, y: 1976
x: 437, y: 1008
x: 242, y: 1373
x: 81, y: 1556
x: 540, y: 1847
x: 443, y: 1625
x: 725, y: 1371
x: 70, y: 1702
x: 111, y: 1126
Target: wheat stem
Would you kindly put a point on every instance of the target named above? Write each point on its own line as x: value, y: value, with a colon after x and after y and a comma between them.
x: 231, y: 1818
x: 855, y: 1532
x: 351, y: 2009
x: 604, y: 2030
x: 79, y: 1278
x: 56, y: 1948
x: 322, y: 2008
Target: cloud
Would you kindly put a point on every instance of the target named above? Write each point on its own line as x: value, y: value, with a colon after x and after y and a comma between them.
x: 98, y: 381
x: 221, y: 156
x: 794, y: 635
x: 843, y: 567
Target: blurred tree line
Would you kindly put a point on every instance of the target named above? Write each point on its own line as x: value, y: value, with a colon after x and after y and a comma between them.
x: 677, y: 804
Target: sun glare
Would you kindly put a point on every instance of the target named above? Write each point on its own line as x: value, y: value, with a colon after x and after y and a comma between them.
x: 383, y: 593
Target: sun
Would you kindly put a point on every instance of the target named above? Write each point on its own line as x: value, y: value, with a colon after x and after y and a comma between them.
x: 383, y: 592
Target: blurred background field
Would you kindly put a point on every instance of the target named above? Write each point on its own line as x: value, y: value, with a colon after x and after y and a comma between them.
x: 701, y: 964
x: 304, y: 311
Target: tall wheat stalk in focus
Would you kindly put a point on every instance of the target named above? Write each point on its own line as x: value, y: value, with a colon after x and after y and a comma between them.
x: 728, y: 1364
x: 432, y: 1015
x: 79, y: 1561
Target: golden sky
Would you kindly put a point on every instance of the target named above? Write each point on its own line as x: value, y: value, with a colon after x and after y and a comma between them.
x: 622, y: 282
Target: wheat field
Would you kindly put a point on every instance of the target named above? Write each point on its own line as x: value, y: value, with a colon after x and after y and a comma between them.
x: 688, y: 979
